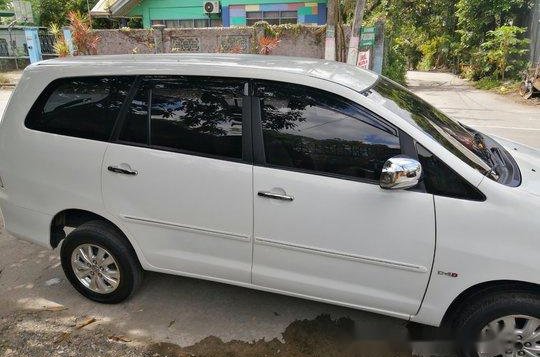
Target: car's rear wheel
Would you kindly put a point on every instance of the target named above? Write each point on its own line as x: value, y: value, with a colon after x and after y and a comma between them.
x: 500, y: 325
x: 100, y: 263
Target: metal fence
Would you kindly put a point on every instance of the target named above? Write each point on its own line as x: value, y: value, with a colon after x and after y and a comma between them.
x: 14, y: 48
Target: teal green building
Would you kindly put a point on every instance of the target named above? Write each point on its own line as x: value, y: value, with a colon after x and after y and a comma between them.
x: 191, y: 13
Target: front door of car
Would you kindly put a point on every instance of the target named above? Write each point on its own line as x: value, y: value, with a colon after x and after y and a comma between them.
x: 323, y: 227
x: 175, y: 175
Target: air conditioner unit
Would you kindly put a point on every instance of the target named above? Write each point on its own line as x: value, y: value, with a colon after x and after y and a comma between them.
x: 212, y: 7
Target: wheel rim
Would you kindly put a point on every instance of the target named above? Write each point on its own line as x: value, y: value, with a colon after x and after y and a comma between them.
x: 523, y: 88
x: 509, y: 336
x: 95, y: 268
x: 526, y: 89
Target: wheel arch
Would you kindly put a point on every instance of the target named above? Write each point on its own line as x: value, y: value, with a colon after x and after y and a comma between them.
x: 483, y: 289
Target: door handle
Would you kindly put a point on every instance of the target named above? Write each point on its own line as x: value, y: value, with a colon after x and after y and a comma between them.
x: 119, y: 170
x: 275, y: 196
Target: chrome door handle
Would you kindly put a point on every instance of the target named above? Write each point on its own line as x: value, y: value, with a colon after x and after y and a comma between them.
x: 119, y: 170
x: 275, y: 196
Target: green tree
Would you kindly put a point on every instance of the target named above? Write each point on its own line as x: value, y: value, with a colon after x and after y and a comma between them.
x: 446, y: 34
x: 475, y: 18
x: 505, y: 50
x: 56, y: 11
x: 5, y: 4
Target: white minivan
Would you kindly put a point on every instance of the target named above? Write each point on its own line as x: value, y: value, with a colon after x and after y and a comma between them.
x: 298, y: 176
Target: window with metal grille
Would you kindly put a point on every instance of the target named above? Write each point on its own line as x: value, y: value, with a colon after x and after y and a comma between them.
x: 189, y: 23
x: 272, y: 17
x: 4, y: 50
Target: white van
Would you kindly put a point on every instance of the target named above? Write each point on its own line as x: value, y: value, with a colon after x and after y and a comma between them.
x: 298, y: 176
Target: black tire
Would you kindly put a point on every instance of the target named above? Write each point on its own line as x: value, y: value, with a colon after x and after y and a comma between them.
x: 103, y: 234
x: 480, y: 312
x: 526, y: 89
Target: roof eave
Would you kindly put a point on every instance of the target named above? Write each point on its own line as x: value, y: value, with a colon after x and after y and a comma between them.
x: 113, y: 8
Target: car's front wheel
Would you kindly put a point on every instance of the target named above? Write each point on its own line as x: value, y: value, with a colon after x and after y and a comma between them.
x: 100, y: 263
x: 500, y: 325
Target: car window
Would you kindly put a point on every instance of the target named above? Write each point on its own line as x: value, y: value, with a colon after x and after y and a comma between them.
x: 135, y: 128
x: 450, y: 134
x: 309, y: 129
x: 85, y: 107
x: 196, y: 114
x: 441, y: 180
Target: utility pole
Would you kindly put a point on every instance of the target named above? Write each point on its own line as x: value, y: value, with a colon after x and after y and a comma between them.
x: 88, y: 11
x: 330, y: 40
x: 352, y: 53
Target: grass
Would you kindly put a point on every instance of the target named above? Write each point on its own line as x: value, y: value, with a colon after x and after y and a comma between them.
x: 496, y: 85
x: 4, y: 79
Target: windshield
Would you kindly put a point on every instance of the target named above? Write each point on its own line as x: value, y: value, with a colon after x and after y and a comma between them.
x: 450, y: 134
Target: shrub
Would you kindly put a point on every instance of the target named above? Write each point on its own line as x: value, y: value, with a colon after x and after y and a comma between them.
x: 267, y: 45
x: 61, y: 47
x: 434, y: 52
x: 505, y: 51
x: 84, y: 39
x: 395, y: 66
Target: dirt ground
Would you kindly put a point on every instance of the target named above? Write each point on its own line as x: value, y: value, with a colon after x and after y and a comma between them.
x: 42, y: 315
x: 55, y: 332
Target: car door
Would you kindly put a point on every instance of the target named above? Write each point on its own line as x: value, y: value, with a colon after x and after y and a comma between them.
x: 177, y: 176
x: 323, y: 227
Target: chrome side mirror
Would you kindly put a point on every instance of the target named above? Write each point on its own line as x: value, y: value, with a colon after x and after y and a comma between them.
x: 400, y: 172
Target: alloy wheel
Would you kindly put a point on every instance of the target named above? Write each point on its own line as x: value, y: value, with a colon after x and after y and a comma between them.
x: 95, y: 268
x: 510, y: 336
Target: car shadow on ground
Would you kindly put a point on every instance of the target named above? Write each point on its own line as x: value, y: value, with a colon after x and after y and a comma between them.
x: 40, y: 313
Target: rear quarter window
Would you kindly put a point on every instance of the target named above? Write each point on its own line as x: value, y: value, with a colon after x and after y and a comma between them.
x: 84, y: 107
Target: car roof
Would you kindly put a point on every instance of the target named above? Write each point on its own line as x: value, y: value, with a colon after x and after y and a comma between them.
x: 337, y: 72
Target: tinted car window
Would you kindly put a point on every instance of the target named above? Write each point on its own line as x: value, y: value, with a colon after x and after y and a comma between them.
x: 84, y: 107
x: 441, y: 180
x: 135, y: 127
x: 450, y: 134
x: 195, y: 114
x: 309, y: 129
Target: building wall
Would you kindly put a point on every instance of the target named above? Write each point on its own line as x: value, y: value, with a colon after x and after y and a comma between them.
x: 311, y: 13
x: 233, y: 12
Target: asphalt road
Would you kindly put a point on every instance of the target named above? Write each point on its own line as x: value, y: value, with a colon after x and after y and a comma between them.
x: 505, y: 116
x: 184, y: 311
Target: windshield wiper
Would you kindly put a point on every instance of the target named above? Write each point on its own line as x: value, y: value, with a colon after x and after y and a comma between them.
x: 486, y: 153
x: 492, y: 155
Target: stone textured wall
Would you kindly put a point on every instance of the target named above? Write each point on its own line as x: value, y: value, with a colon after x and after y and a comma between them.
x: 300, y: 41
x: 209, y: 40
x: 305, y: 41
x: 115, y: 42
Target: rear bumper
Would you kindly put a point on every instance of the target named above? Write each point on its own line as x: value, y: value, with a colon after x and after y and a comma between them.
x: 26, y: 224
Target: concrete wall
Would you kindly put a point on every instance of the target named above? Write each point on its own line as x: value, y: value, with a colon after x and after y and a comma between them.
x: 307, y: 41
x: 114, y: 42
x: 301, y: 41
x: 209, y: 40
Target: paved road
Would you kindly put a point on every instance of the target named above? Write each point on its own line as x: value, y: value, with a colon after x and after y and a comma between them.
x: 488, y: 112
x: 184, y: 311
